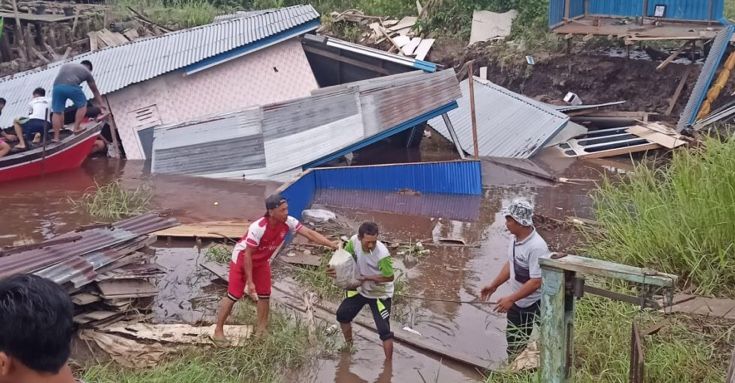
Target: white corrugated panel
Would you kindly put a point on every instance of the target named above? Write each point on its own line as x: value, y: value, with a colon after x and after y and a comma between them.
x: 123, y: 65
x: 508, y: 124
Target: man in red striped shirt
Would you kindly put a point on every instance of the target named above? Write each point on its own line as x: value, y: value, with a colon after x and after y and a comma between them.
x: 250, y: 270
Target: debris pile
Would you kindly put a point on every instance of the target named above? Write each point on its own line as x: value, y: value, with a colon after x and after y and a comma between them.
x: 399, y: 36
x: 106, y: 269
x: 39, y: 33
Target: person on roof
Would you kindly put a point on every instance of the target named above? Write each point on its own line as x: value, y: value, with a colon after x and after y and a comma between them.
x: 36, y: 328
x: 524, y: 272
x: 67, y: 86
x: 250, y: 270
x: 375, y: 267
x: 36, y: 122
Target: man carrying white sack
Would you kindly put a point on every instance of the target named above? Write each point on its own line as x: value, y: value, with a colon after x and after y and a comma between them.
x: 375, y: 273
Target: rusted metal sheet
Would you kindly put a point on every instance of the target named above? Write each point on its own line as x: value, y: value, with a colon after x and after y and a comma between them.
x: 95, y: 242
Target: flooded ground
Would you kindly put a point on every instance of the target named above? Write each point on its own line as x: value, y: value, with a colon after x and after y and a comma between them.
x: 37, y: 209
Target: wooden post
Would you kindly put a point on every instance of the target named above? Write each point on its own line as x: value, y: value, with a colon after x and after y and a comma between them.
x: 645, y: 11
x: 113, y: 129
x: 553, y: 326
x: 731, y: 370
x: 586, y: 7
x: 566, y: 11
x: 637, y: 358
x: 19, y: 35
x: 471, y: 79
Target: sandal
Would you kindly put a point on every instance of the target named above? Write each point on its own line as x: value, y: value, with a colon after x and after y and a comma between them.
x: 221, y: 343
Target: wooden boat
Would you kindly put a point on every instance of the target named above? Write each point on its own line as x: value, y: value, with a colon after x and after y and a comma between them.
x: 67, y: 154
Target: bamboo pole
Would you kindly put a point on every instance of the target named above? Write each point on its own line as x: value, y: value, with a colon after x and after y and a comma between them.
x: 19, y: 31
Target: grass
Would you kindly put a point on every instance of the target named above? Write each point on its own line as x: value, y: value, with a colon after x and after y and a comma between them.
x: 264, y: 359
x: 111, y: 202
x: 173, y: 14
x: 676, y: 219
x: 683, y: 351
x: 219, y: 253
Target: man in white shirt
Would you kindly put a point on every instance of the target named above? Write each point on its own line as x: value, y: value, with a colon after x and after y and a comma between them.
x: 36, y: 122
x: 375, y: 267
x: 524, y: 272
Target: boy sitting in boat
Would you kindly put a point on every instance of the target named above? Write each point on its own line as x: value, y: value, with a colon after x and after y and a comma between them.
x: 36, y: 122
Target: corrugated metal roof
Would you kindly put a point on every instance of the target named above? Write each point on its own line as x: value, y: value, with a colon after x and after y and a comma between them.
x: 508, y: 124
x: 80, y: 243
x: 299, y: 131
x: 140, y: 60
x: 717, y: 51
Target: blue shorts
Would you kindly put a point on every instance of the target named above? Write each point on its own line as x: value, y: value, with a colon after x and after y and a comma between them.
x: 33, y: 126
x: 63, y: 92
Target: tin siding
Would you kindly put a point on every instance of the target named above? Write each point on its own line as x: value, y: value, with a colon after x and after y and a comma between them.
x: 250, y: 80
x: 675, y: 9
x: 556, y: 12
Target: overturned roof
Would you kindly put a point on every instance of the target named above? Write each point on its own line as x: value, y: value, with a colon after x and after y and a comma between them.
x: 508, y: 124
x: 191, y: 49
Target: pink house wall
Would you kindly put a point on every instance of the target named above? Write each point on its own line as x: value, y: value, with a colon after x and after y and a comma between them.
x: 277, y: 73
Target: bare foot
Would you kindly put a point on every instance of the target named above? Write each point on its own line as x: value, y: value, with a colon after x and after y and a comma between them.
x: 219, y: 338
x: 77, y: 131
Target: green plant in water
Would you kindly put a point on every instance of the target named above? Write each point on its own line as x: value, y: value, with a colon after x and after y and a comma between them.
x: 219, y: 253
x: 112, y: 202
x: 676, y: 219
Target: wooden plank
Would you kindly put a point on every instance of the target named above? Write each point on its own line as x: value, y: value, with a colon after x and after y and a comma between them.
x: 423, y: 49
x: 409, y: 48
x: 672, y: 57
x: 212, y: 229
x: 93, y: 46
x: 114, y: 289
x: 677, y: 93
x: 636, y: 355
x: 483, y: 72
x: 731, y: 370
x: 406, y: 22
x: 552, y: 333
x: 81, y: 299
x: 600, y: 268
x: 131, y: 34
x: 387, y: 36
x: 179, y: 333
x: 401, y: 41
x: 667, y: 141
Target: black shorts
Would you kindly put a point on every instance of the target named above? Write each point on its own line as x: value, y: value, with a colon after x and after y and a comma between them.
x: 354, y: 302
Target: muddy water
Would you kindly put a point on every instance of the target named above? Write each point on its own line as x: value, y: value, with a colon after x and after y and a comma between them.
x: 36, y: 209
x: 39, y: 208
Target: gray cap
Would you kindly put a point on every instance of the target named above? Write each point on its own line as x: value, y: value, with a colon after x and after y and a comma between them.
x: 274, y: 201
x: 521, y: 211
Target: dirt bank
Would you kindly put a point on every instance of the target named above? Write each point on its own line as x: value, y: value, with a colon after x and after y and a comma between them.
x: 595, y: 78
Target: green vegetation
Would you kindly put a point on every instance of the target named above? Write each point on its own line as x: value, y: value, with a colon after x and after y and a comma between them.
x: 112, y: 202
x: 173, y: 14
x: 682, y: 351
x: 219, y: 253
x: 676, y: 219
x: 264, y: 359
x: 730, y: 9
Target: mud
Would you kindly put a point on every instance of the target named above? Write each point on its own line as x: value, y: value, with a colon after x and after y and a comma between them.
x: 599, y: 77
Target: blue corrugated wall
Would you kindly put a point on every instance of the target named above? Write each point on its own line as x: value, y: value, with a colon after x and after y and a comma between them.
x: 450, y: 177
x: 299, y: 193
x: 675, y: 9
x: 456, y: 177
x: 556, y: 12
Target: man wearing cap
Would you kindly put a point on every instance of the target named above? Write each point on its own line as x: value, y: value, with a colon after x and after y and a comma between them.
x: 250, y: 271
x: 524, y: 272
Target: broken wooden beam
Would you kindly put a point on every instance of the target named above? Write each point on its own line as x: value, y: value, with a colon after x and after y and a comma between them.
x: 212, y: 229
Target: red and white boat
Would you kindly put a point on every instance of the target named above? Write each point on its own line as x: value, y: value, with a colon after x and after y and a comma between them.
x: 68, y: 154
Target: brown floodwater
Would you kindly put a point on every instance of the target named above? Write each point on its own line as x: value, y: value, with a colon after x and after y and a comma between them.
x: 37, y: 209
